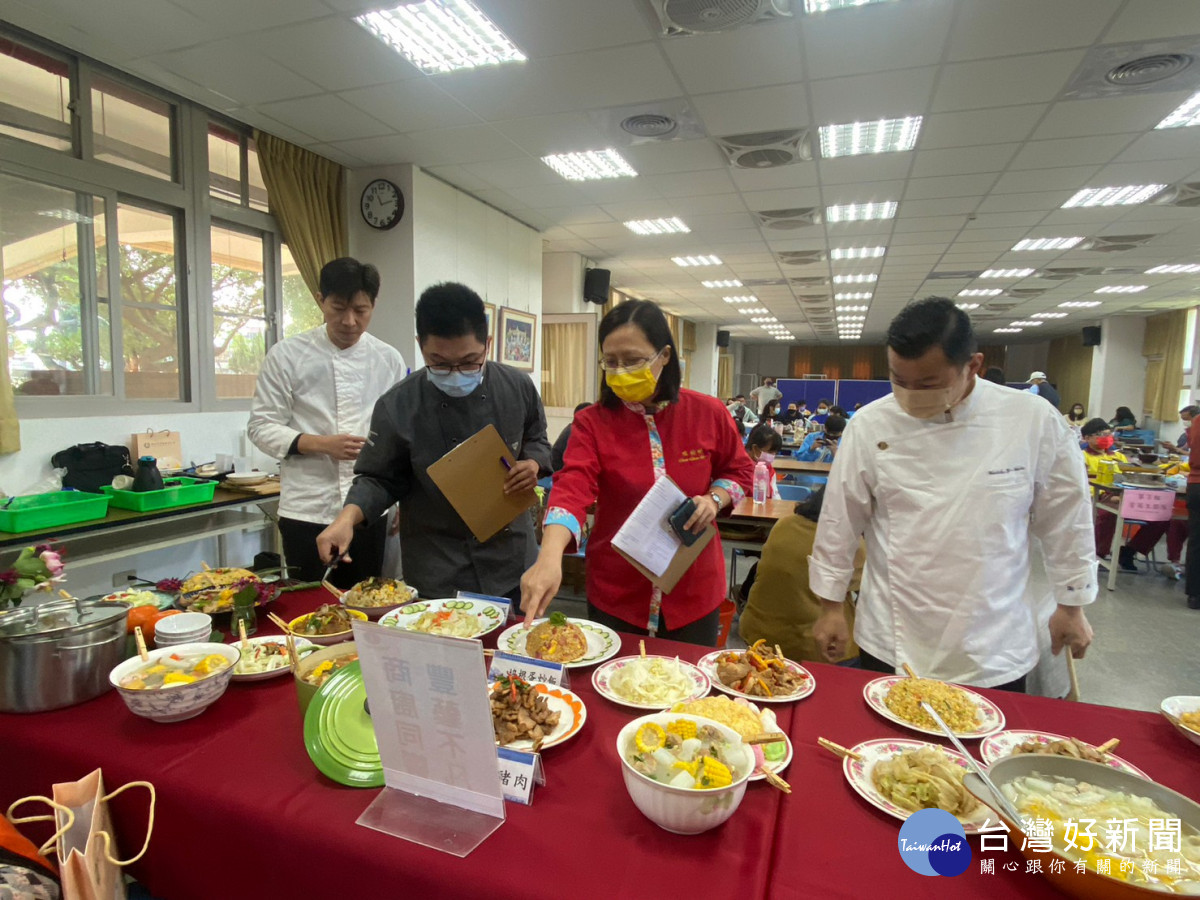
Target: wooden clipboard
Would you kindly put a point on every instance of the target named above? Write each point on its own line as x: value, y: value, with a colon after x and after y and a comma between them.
x: 471, y: 477
x: 680, y: 563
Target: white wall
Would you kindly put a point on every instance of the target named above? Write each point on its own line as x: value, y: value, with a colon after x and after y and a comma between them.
x: 1118, y: 367
x: 704, y: 359
x: 562, y: 284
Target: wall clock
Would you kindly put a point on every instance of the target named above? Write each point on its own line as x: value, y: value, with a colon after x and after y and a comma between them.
x: 382, y: 204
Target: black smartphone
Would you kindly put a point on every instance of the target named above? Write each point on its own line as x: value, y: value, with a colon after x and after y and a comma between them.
x: 679, y: 518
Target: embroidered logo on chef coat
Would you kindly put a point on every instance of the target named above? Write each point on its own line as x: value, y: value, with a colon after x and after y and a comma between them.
x: 691, y: 456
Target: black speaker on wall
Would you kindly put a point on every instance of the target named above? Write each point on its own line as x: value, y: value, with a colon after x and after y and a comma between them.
x: 595, y: 285
x: 722, y: 338
x: 1091, y: 336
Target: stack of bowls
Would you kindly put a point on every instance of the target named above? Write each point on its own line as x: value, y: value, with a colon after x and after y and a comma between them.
x: 185, y: 628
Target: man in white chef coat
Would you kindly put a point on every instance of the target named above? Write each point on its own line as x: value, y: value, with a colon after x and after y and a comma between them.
x: 312, y: 410
x: 946, y: 478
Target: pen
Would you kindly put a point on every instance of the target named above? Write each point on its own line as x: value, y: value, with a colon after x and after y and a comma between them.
x: 507, y: 465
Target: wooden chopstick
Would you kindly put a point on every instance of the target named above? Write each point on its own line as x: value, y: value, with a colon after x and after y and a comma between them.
x: 278, y: 621
x: 1108, y: 746
x: 642, y: 648
x: 242, y: 635
x: 767, y: 737
x: 839, y: 749
x: 775, y: 781
x: 140, y: 639
x: 335, y: 591
x: 1073, y: 694
x: 908, y: 670
x: 291, y: 649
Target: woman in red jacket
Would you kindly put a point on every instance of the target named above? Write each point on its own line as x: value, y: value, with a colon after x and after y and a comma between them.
x: 644, y: 427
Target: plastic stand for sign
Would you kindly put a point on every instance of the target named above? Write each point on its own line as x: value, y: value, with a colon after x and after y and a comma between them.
x: 427, y: 822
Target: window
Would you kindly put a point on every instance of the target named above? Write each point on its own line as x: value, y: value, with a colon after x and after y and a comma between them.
x: 132, y: 129
x: 234, y: 174
x: 239, y: 311
x: 36, y: 88
x: 300, y: 310
x: 58, y: 334
x: 149, y: 302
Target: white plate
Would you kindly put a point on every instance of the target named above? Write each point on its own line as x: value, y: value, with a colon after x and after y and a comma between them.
x: 301, y: 645
x: 490, y: 615
x: 998, y: 746
x: 991, y: 719
x: 602, y: 642
x: 247, y: 479
x: 858, y: 774
x: 708, y: 665
x: 572, y: 712
x: 602, y: 678
x: 1177, y: 706
x: 770, y: 723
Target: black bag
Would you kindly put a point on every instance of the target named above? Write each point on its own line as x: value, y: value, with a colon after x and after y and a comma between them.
x: 91, y: 466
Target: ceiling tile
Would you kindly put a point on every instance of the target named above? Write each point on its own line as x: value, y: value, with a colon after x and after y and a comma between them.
x: 568, y: 26
x: 141, y: 29
x: 338, y: 155
x: 1170, y: 143
x: 1143, y: 20
x: 1006, y: 203
x: 469, y: 143
x: 1067, y: 178
x: 783, y: 199
x: 948, y: 186
x: 265, y: 123
x: 560, y: 133
x: 985, y: 28
x: 568, y: 216
x: 665, y: 157
x: 875, y: 96
x: 962, y: 161
x: 781, y: 177
x: 240, y: 16
x: 1001, y: 82
x: 1165, y: 171
x: 540, y: 196
x: 946, y: 207
x: 973, y: 128
x: 328, y: 118
x: 1097, y: 149
x: 707, y: 204
x: 888, y: 36
x: 413, y: 105
x: 851, y: 170
x: 1111, y: 115
x: 690, y: 184
x: 378, y: 151
x: 231, y: 67
x: 756, y: 109
x: 743, y: 58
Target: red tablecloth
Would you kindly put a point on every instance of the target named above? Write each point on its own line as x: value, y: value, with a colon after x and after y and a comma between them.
x: 244, y: 813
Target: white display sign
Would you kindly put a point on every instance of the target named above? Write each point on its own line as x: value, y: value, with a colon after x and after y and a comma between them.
x: 519, y: 772
x: 528, y: 669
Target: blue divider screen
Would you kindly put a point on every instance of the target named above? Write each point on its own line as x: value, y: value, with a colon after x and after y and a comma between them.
x: 810, y: 390
x: 851, y: 391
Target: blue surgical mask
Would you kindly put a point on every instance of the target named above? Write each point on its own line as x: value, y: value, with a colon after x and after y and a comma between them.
x: 456, y: 384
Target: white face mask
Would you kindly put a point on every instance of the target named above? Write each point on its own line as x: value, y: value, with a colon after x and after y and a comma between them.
x: 924, y: 404
x: 768, y: 458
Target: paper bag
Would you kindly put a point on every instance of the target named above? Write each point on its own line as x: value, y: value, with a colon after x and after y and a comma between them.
x: 164, y: 446
x: 87, y: 850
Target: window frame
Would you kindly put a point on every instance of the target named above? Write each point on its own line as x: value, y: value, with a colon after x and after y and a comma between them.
x: 187, y: 198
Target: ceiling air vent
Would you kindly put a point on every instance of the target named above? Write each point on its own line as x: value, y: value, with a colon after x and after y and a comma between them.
x: 788, y: 219
x: 641, y: 123
x: 767, y: 149
x: 1115, y: 243
x: 1064, y: 273
x: 809, y: 281
x: 813, y: 300
x: 649, y: 125
x: 800, y: 257
x: 763, y: 282
x: 952, y: 276
x: 708, y: 16
x: 1142, y: 67
x: 1186, y: 194
x: 1002, y: 307
x: 1020, y: 294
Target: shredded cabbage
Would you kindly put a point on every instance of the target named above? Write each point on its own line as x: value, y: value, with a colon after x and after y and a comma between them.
x: 652, y: 680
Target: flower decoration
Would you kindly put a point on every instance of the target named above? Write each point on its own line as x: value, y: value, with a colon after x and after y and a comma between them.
x: 169, y: 585
x: 36, y: 568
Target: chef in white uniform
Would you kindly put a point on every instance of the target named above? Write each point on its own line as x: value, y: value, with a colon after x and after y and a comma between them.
x: 312, y: 410
x: 946, y: 478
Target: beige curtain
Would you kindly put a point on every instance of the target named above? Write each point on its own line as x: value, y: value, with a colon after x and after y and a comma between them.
x: 725, y: 376
x: 566, y: 356
x: 10, y: 428
x: 1163, y: 348
x: 305, y: 194
x: 1070, y: 371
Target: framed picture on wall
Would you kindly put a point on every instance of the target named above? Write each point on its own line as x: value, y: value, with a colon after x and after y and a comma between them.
x: 517, y: 333
x: 489, y: 310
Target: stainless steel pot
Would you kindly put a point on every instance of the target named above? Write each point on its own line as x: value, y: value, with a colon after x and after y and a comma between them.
x: 59, y: 653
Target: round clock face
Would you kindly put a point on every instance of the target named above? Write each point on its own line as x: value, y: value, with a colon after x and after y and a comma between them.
x: 382, y: 204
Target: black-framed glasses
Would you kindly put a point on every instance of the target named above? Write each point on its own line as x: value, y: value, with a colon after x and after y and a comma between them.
x: 465, y: 368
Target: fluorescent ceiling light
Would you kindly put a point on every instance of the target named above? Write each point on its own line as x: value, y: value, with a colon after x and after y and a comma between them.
x: 853, y: 295
x: 442, y: 35
x: 857, y: 252
x: 967, y: 305
x: 1025, y: 323
x: 1049, y: 315
x: 1177, y: 269
x: 657, y: 226
x: 855, y: 279
x: 590, y: 165
x: 880, y: 136
x: 753, y: 310
x: 1052, y: 243
x: 1006, y: 273
x: 981, y: 292
x: 1183, y: 116
x: 785, y: 337
x: 763, y: 320
x: 1121, y: 289
x: 842, y: 309
x: 852, y: 319
x: 1125, y: 195
x: 860, y: 212
x: 745, y: 298
x: 1005, y: 330
x: 1080, y: 304
x: 818, y: 6
x: 727, y: 283
x: 686, y: 261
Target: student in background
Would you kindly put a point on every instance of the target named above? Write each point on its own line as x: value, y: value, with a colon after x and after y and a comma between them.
x: 1124, y: 420
x: 1099, y: 448
x: 822, y: 413
x: 743, y: 416
x: 781, y: 607
x: 763, y: 445
x: 560, y: 444
x: 821, y: 446
x: 765, y: 394
x: 1076, y: 415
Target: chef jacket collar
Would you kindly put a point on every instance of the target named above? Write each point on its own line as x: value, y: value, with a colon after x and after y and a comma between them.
x: 964, y: 409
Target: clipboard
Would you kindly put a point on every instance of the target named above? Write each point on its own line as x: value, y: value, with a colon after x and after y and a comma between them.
x: 681, y: 562
x: 471, y: 477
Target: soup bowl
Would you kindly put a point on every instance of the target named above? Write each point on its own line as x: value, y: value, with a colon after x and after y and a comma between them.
x: 177, y: 702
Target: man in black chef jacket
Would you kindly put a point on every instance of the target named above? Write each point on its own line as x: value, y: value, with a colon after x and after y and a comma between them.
x: 421, y: 419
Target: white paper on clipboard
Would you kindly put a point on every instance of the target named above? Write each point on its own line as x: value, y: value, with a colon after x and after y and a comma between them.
x: 646, y: 537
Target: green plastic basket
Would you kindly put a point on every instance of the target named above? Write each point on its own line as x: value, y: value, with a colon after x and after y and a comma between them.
x: 37, y: 512
x: 179, y: 491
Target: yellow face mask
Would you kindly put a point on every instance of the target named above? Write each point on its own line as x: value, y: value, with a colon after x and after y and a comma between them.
x: 633, y: 385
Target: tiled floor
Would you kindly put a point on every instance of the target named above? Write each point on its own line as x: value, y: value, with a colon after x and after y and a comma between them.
x: 1146, y: 646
